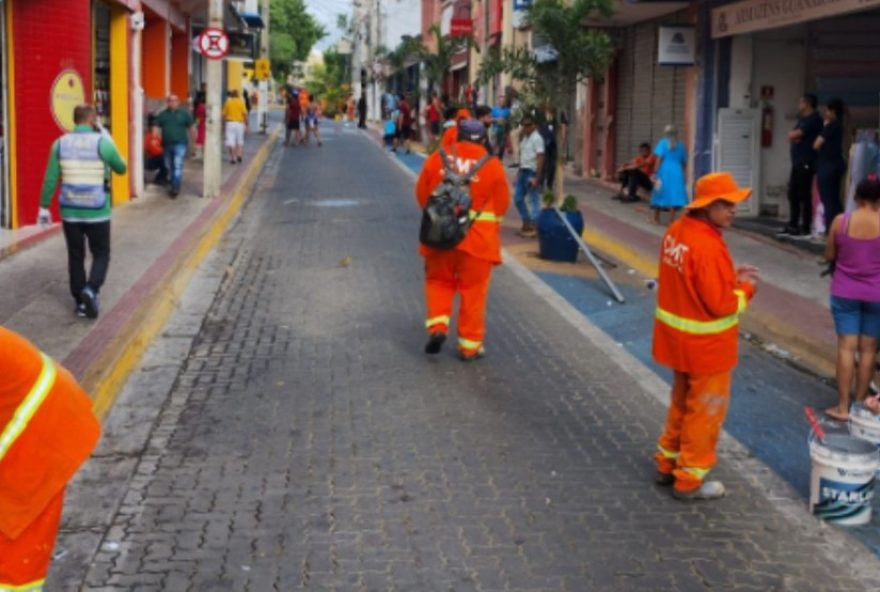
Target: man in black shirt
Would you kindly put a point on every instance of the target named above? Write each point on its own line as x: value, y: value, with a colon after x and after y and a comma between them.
x: 803, y: 167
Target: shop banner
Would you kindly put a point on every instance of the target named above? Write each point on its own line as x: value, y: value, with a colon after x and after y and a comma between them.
x: 756, y: 15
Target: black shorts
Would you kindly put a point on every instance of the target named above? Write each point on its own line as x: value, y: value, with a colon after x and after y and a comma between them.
x: 404, y: 134
x: 293, y: 125
x: 435, y: 128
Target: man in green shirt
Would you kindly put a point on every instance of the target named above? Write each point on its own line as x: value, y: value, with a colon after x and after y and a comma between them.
x: 175, y: 124
x: 82, y: 161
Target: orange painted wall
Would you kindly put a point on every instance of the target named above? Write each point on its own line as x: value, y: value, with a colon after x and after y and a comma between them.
x: 180, y: 50
x: 155, y: 58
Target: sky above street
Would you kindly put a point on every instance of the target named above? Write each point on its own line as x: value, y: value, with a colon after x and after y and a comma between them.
x: 326, y: 11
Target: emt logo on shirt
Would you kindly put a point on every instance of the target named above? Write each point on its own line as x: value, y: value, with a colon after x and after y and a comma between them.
x: 462, y: 166
x: 674, y: 253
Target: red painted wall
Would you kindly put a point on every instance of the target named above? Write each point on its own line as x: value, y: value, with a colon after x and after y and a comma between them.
x: 45, y: 42
x: 180, y: 49
x: 156, y: 42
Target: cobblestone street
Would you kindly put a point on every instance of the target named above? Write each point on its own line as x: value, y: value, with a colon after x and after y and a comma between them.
x: 308, y: 443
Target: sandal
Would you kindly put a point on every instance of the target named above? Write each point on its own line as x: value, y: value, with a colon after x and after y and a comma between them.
x: 835, y: 414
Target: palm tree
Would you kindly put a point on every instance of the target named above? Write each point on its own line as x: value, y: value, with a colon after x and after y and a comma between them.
x: 437, y: 63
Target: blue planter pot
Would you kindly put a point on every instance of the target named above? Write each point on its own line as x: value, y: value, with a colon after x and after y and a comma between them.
x: 555, y: 243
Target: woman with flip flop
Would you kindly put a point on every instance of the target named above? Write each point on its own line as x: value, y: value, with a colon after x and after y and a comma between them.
x: 854, y: 249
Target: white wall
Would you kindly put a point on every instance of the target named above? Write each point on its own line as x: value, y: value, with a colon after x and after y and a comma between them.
x: 741, y: 60
x: 780, y: 62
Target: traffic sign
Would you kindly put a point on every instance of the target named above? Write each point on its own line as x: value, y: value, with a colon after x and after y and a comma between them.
x: 213, y: 43
x: 262, y: 70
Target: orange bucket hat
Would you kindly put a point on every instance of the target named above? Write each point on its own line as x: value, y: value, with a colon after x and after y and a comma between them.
x: 717, y: 186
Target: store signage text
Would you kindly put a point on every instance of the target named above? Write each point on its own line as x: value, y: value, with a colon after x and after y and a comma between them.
x: 757, y: 15
x: 461, y: 27
x: 66, y: 94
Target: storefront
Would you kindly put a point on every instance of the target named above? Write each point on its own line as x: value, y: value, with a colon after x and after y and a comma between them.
x: 769, y: 54
x: 50, y: 68
x: 642, y: 92
x: 5, y: 205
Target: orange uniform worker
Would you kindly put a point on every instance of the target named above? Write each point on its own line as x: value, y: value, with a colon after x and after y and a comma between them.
x: 700, y: 298
x: 467, y: 268
x: 47, y: 430
x: 450, y: 134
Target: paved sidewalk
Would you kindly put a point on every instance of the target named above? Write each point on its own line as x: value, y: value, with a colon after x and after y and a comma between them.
x: 309, y: 444
x: 36, y: 300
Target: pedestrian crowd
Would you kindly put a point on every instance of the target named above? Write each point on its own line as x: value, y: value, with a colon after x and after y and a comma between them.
x: 302, y: 111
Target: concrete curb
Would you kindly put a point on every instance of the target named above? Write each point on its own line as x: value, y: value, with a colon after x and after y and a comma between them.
x: 108, y: 355
x: 838, y: 546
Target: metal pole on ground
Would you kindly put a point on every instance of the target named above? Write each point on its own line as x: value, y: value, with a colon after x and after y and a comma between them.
x: 263, y: 107
x: 213, y: 123
x: 589, y: 253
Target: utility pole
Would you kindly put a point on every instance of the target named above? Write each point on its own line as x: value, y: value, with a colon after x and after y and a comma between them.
x: 263, y: 107
x: 213, y: 163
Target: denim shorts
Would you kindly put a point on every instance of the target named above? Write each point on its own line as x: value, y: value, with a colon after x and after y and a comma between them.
x: 856, y: 317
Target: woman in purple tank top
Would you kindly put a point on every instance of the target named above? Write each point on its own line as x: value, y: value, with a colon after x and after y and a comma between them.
x: 854, y: 249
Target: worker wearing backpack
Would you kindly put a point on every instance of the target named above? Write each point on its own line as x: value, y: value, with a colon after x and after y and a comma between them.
x: 465, y: 267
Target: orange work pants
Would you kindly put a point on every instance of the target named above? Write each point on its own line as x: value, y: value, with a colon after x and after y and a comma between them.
x: 451, y: 272
x: 24, y: 561
x: 697, y: 410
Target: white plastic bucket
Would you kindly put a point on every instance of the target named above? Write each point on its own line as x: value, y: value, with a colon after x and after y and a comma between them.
x: 864, y: 424
x: 842, y: 479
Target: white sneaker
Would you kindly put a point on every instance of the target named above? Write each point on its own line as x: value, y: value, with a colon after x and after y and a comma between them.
x: 709, y: 490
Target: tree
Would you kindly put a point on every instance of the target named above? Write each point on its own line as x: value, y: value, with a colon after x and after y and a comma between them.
x: 294, y: 33
x: 574, y: 53
x: 408, y: 48
x: 437, y: 63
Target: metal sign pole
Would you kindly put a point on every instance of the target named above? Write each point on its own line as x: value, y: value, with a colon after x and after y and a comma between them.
x: 589, y: 253
x: 213, y: 172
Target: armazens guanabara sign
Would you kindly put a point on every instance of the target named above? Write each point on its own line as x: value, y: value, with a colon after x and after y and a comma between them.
x: 757, y: 15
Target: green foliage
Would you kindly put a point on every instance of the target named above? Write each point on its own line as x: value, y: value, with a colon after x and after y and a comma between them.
x: 329, y: 81
x: 547, y: 198
x: 575, y: 52
x: 569, y: 204
x: 294, y: 33
x: 437, y: 63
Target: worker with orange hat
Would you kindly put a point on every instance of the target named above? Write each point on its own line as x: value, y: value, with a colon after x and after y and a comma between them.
x: 699, y: 300
x: 450, y: 134
x: 466, y: 268
x: 47, y: 430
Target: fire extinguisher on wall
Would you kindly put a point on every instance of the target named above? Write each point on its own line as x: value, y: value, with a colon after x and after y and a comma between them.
x: 767, y: 126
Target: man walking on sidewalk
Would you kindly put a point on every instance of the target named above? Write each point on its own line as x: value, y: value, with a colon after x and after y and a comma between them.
x: 47, y: 430
x: 699, y: 300
x: 466, y: 268
x: 803, y: 167
x: 175, y: 124
x: 528, y: 178
x: 83, y: 159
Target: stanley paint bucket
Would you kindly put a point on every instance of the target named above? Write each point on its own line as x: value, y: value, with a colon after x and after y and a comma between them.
x: 864, y: 425
x: 842, y: 479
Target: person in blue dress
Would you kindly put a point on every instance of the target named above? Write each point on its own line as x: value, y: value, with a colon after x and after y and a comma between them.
x: 670, y: 191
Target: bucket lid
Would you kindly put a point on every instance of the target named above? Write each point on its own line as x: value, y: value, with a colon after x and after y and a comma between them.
x: 843, y: 444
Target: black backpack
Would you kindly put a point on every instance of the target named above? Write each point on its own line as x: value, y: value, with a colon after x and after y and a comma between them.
x: 446, y: 217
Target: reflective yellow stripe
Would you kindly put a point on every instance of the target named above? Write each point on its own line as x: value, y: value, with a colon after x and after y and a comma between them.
x: 441, y: 320
x: 696, y: 472
x: 485, y: 217
x: 667, y: 453
x: 743, y: 301
x: 36, y: 586
x: 28, y: 407
x: 697, y: 327
x: 469, y: 344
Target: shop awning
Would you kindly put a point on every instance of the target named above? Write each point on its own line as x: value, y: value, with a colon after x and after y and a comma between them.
x: 251, y: 20
x: 630, y: 12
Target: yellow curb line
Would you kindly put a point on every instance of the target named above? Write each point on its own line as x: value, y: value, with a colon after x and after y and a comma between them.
x: 607, y: 244
x: 108, y: 374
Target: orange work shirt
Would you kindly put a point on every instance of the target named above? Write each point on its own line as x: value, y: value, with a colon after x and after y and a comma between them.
x: 489, y: 192
x: 57, y: 435
x: 153, y: 145
x: 698, y: 300
x: 647, y: 165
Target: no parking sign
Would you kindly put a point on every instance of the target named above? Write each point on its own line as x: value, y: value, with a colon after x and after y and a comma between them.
x: 213, y: 43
